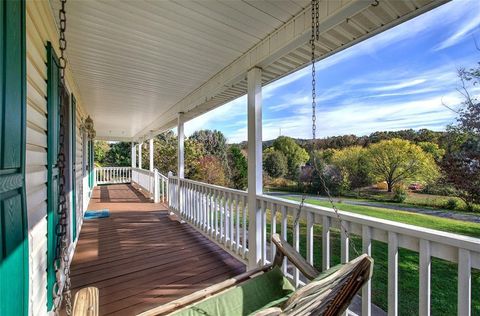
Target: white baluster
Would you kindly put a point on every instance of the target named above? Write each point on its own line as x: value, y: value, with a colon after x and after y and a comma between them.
x: 345, y: 242
x: 367, y: 288
x: 237, y: 224
x: 231, y: 221
x: 296, y: 245
x: 464, y: 282
x: 284, y: 235
x: 425, y: 264
x: 263, y: 208
x: 244, y: 226
x: 392, y: 274
x: 326, y: 223
x: 273, y: 248
x: 309, y: 233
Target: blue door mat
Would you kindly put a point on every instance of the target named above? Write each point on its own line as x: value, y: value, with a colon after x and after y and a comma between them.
x: 96, y: 214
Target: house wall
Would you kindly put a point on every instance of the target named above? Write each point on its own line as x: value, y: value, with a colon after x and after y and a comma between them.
x: 40, y: 29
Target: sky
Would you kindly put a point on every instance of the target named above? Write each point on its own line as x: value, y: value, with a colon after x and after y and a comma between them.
x: 399, y: 79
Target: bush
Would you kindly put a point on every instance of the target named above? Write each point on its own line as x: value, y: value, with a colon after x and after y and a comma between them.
x: 399, y: 194
x: 451, y: 204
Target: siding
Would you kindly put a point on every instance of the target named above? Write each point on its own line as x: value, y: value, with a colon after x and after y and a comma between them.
x: 40, y: 29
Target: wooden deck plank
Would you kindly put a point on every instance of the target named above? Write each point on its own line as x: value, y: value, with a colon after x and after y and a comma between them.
x: 140, y: 257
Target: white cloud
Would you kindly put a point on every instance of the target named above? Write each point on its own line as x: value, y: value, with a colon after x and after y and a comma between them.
x: 400, y: 85
x: 469, y: 21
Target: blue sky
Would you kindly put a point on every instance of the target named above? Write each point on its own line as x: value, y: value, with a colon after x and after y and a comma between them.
x: 396, y: 80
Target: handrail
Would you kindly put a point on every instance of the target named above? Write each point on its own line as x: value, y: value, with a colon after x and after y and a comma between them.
x: 451, y: 239
x: 221, y: 214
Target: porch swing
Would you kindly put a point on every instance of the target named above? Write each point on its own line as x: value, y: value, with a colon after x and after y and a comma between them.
x: 265, y: 291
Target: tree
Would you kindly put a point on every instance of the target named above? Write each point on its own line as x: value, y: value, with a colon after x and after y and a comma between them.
x: 397, y: 160
x: 210, y: 170
x: 354, y: 165
x: 274, y: 163
x: 296, y: 155
x: 238, y: 168
x: 101, y: 149
x: 165, y: 154
x: 214, y: 144
x: 119, y: 155
x: 461, y: 164
x: 433, y: 149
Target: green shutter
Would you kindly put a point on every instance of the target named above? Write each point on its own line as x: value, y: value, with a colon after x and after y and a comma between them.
x: 13, y: 212
x: 74, y: 166
x: 53, y: 108
x: 90, y: 164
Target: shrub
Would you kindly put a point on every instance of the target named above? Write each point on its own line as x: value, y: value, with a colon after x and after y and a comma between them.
x: 451, y: 204
x: 399, y: 194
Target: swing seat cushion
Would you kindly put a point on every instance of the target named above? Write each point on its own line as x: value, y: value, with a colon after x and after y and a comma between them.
x: 261, y: 292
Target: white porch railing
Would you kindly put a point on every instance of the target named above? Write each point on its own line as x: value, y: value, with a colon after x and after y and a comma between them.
x: 155, y: 183
x: 221, y: 214
x: 111, y: 175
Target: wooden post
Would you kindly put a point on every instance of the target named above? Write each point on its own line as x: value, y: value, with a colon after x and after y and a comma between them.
x: 150, y: 152
x: 134, y: 155
x: 140, y: 155
x: 254, y: 78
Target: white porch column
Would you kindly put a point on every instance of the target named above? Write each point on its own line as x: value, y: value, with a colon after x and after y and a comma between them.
x: 254, y: 78
x: 181, y: 161
x: 133, y: 156
x: 151, y: 154
x: 140, y: 155
x: 181, y: 146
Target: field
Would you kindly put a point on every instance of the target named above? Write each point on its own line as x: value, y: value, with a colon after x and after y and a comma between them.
x: 443, y: 276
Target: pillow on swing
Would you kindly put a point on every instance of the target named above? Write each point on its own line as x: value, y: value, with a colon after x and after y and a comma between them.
x: 261, y: 292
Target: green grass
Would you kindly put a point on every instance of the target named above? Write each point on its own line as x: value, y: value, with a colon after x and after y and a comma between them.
x: 443, y: 273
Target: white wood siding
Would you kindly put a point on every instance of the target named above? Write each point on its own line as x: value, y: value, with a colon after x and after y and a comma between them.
x: 40, y: 29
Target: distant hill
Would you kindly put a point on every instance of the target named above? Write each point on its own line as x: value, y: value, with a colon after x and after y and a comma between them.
x: 338, y: 142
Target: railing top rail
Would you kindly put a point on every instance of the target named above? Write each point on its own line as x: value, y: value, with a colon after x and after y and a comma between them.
x: 111, y: 168
x: 162, y: 175
x: 215, y: 187
x: 144, y: 171
x: 456, y: 240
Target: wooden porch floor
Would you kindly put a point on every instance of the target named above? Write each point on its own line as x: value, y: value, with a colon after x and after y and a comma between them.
x: 140, y: 257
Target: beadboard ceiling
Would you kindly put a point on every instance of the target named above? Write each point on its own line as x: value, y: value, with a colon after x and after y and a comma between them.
x: 137, y: 63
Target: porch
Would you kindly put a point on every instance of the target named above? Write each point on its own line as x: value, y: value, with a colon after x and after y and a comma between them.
x: 141, y: 257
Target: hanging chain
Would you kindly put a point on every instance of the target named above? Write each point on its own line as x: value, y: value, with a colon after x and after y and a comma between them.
x: 315, y: 37
x: 61, y: 262
x: 62, y: 39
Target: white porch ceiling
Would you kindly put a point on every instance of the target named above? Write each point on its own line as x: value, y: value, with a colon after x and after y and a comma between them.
x: 139, y: 63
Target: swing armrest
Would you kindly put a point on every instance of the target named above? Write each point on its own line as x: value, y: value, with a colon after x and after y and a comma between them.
x: 86, y: 302
x: 285, y: 250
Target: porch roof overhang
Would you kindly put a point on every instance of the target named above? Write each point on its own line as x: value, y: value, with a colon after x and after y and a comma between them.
x: 138, y: 64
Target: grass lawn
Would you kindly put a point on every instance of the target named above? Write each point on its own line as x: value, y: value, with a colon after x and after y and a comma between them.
x: 443, y: 274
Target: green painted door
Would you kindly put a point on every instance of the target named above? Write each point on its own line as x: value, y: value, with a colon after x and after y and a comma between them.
x: 53, y: 107
x: 13, y: 212
x: 74, y: 167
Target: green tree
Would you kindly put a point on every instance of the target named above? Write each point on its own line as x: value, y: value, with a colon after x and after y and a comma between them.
x: 433, y: 149
x: 238, y: 168
x: 274, y: 163
x: 119, y: 155
x: 194, y: 152
x: 398, y: 160
x: 165, y: 155
x: 354, y: 165
x: 296, y: 155
x: 101, y: 149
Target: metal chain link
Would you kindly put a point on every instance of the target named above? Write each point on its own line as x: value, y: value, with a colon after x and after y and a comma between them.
x: 62, y: 262
x: 315, y: 36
